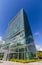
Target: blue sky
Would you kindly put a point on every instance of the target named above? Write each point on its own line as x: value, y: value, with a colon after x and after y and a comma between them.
x: 33, y: 8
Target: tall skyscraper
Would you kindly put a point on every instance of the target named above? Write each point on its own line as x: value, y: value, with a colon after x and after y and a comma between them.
x: 19, y: 37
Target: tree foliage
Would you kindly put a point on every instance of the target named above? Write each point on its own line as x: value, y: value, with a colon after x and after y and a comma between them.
x: 39, y: 54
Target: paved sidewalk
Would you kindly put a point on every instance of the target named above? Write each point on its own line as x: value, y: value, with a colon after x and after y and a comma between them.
x: 15, y: 63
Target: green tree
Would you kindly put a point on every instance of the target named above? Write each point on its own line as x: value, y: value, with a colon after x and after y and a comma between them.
x: 39, y: 54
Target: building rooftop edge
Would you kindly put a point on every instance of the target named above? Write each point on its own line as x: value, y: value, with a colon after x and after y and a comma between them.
x: 15, y: 16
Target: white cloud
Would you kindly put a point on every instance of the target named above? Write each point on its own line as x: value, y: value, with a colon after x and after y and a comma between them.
x: 37, y: 33
x: 38, y: 47
x: 0, y: 38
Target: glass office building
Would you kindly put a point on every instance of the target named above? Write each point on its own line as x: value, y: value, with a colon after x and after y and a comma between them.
x: 19, y: 39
